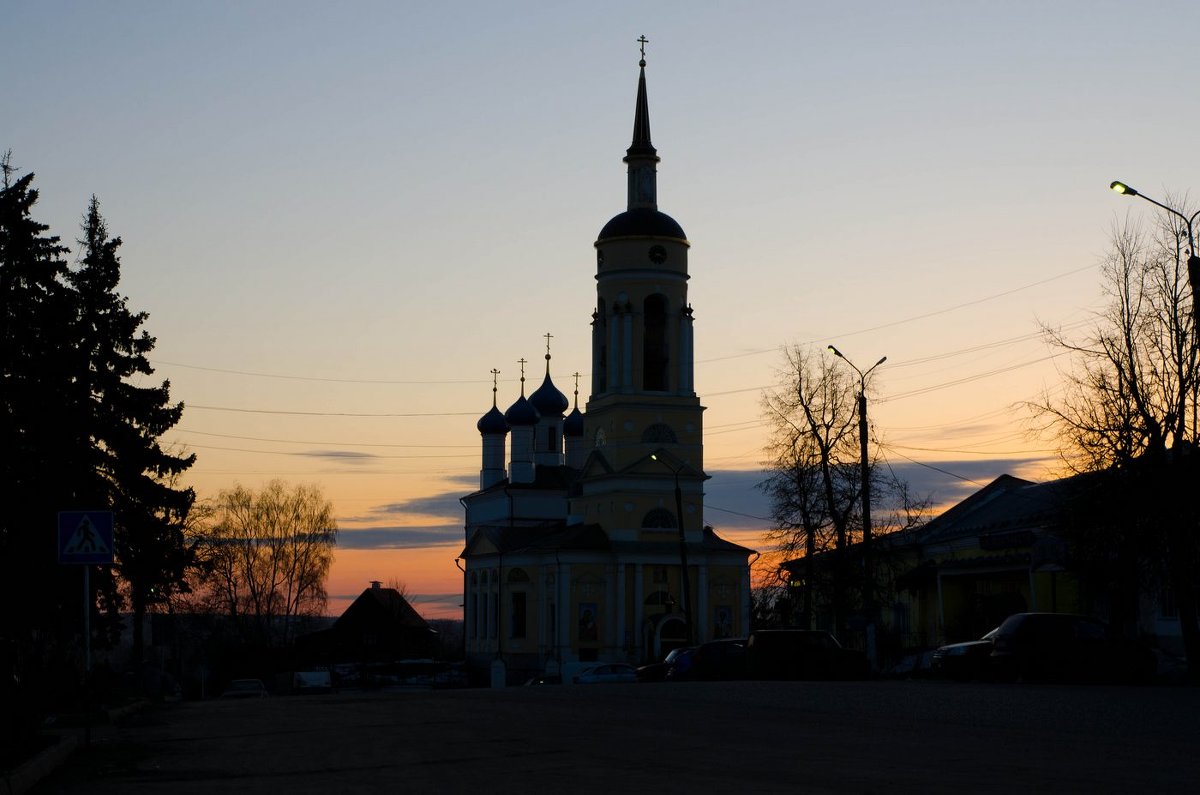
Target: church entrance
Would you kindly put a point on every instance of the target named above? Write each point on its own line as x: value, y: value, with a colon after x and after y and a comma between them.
x: 669, y: 632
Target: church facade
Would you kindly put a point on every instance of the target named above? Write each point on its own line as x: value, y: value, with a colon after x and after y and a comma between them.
x: 586, y: 540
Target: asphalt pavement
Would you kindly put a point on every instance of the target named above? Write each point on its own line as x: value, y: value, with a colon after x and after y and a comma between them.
x: 813, y: 737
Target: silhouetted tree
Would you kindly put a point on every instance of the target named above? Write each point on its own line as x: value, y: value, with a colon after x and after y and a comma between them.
x: 124, y: 422
x: 1128, y: 412
x: 814, y: 483
x: 77, y: 434
x: 266, y: 555
x: 45, y: 455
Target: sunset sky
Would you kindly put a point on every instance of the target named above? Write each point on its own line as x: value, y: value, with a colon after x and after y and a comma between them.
x: 341, y: 217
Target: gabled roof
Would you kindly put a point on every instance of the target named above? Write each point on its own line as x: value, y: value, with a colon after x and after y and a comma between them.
x: 1007, y: 504
x: 385, y: 608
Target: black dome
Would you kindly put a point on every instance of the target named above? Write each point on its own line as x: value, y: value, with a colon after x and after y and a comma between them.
x: 642, y: 221
x: 573, y: 424
x: 492, y: 422
x: 548, y: 401
x: 521, y: 413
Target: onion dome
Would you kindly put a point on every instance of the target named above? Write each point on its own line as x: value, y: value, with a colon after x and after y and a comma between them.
x: 573, y: 424
x: 522, y: 412
x: 548, y: 401
x: 493, y: 421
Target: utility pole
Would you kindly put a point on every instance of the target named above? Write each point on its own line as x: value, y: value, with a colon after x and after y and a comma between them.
x: 868, y: 591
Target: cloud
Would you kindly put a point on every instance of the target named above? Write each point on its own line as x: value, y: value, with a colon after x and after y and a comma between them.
x: 401, y: 537
x: 733, y: 501
x: 352, y: 457
x: 443, y: 505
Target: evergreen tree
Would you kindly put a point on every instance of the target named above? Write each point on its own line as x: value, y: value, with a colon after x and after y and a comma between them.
x: 44, y: 458
x: 125, y: 422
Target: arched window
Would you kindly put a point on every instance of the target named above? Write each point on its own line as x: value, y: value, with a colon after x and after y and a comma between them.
x: 659, y: 433
x: 600, y: 332
x: 655, y: 353
x: 659, y: 518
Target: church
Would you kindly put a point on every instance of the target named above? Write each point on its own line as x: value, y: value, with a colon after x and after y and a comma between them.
x: 588, y: 542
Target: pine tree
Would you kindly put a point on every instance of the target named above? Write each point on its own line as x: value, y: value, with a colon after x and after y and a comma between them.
x: 44, y: 458
x: 125, y: 423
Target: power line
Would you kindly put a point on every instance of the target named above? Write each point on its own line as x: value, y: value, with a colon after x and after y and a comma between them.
x: 340, y: 444
x: 330, y: 413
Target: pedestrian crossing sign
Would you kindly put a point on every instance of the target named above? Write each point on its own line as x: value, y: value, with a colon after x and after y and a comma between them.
x: 85, y: 537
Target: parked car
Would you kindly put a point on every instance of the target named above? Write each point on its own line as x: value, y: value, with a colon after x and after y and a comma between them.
x: 716, y: 659
x: 606, y: 673
x: 245, y: 688
x: 1067, y: 647
x: 802, y: 654
x: 967, y: 661
x: 657, y: 671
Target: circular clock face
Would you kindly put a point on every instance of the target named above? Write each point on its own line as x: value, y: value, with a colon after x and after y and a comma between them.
x: 658, y: 255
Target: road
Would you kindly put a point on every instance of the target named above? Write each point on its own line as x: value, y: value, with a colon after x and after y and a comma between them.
x: 818, y: 737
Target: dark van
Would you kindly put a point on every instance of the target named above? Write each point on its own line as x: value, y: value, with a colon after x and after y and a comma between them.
x: 801, y: 654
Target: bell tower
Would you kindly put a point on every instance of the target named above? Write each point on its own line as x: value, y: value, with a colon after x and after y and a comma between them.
x: 643, y: 400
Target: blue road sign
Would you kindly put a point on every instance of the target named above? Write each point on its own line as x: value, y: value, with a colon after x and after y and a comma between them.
x: 85, y: 537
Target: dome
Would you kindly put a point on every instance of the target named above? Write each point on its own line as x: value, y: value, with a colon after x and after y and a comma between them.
x: 573, y: 424
x: 521, y: 413
x: 642, y: 221
x: 492, y: 422
x: 548, y: 401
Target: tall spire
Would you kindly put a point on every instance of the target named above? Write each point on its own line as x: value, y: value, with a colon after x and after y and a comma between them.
x: 641, y: 155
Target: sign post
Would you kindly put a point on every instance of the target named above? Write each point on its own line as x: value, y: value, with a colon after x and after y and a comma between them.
x: 86, y: 538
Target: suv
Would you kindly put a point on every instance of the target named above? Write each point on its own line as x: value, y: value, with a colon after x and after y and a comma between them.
x: 716, y: 659
x: 802, y: 654
x: 1066, y: 647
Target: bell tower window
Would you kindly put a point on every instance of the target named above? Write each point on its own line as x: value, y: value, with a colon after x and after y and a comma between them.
x: 655, y: 353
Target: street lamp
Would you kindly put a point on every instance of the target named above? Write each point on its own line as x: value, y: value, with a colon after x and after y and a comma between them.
x: 1193, y: 257
x: 864, y: 463
x: 685, y: 583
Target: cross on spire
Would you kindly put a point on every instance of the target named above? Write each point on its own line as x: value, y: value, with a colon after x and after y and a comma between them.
x: 548, y: 337
x: 495, y: 381
x: 522, y: 362
x: 576, y: 374
x: 643, y: 41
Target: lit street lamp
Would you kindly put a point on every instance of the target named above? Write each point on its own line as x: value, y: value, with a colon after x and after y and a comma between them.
x: 864, y: 463
x: 685, y: 582
x: 1193, y: 257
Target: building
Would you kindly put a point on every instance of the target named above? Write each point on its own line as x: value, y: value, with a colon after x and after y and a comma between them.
x: 576, y: 545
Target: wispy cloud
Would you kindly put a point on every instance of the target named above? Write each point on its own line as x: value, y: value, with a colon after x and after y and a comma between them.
x: 401, y: 537
x: 352, y: 457
x: 443, y: 505
x: 733, y: 501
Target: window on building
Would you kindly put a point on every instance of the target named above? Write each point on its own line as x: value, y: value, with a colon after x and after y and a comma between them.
x: 655, y: 353
x: 658, y: 518
x: 659, y: 433
x: 659, y: 574
x: 517, y: 617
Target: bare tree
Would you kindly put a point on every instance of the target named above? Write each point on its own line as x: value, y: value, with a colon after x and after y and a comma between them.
x: 266, y: 555
x: 812, y: 463
x: 1128, y: 412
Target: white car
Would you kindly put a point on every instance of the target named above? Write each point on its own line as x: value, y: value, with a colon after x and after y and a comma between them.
x: 608, y: 672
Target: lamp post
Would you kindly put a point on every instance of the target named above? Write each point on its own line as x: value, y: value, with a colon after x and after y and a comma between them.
x: 1193, y: 256
x: 685, y: 582
x: 864, y: 464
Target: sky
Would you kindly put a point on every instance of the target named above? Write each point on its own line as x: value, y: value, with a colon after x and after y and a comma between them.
x: 341, y: 217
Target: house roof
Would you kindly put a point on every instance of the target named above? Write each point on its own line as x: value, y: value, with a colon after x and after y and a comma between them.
x: 386, y: 606
x: 1007, y: 504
